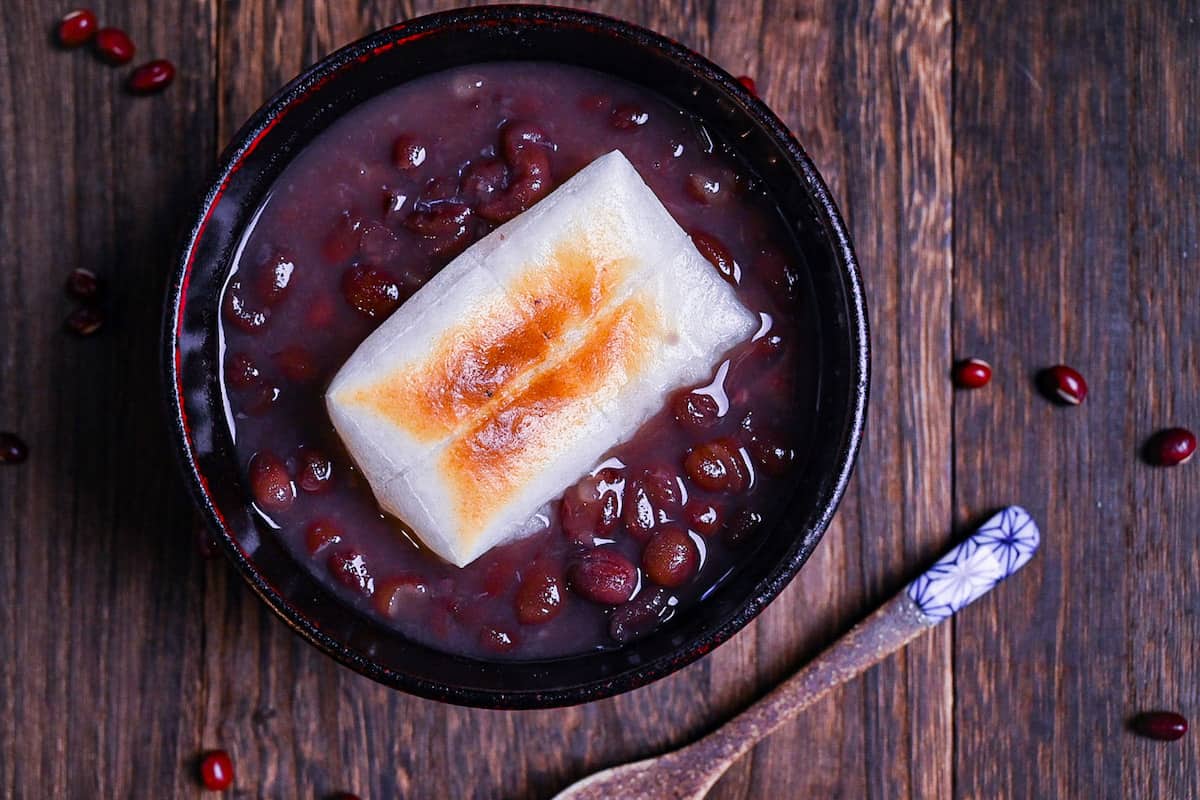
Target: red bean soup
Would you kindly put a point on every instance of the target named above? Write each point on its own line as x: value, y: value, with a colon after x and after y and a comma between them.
x: 374, y: 207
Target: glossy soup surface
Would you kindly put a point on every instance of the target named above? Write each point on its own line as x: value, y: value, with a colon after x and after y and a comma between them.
x: 374, y: 207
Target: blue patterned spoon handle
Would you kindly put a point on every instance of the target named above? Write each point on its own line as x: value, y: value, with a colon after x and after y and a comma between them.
x: 1000, y: 547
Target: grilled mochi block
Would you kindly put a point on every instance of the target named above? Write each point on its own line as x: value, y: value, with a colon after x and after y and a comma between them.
x: 508, y: 376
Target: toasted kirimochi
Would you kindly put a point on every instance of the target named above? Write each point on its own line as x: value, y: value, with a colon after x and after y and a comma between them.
x: 420, y: 376
x: 589, y: 262
x: 700, y: 318
x: 507, y: 377
x: 538, y: 439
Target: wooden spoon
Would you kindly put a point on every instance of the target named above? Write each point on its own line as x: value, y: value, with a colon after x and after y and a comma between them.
x: 1004, y: 544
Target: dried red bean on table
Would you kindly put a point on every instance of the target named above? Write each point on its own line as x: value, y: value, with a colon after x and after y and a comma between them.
x: 85, y: 321
x: 114, y: 46
x: 12, y: 449
x: 151, y: 77
x: 1171, y: 447
x: 972, y: 373
x: 77, y: 27
x: 216, y: 770
x: 206, y: 543
x: 1063, y: 384
x: 1165, y: 726
x: 83, y: 284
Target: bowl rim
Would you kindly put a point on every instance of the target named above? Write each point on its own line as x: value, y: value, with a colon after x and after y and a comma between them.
x: 777, y: 577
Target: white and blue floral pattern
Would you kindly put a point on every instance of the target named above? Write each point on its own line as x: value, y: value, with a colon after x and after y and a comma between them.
x: 1004, y: 544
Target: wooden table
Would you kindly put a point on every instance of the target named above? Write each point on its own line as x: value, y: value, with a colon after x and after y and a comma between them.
x: 1023, y: 184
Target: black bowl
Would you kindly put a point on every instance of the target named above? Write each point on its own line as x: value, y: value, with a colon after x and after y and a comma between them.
x: 283, y: 126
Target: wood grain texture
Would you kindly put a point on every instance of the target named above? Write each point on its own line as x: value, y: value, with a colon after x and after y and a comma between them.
x: 1041, y: 246
x: 1162, y: 658
x: 1073, y: 140
x: 99, y: 585
x: 1021, y: 182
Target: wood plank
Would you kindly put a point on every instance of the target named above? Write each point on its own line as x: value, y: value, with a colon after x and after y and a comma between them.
x: 1162, y: 49
x: 97, y: 569
x: 1043, y: 114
